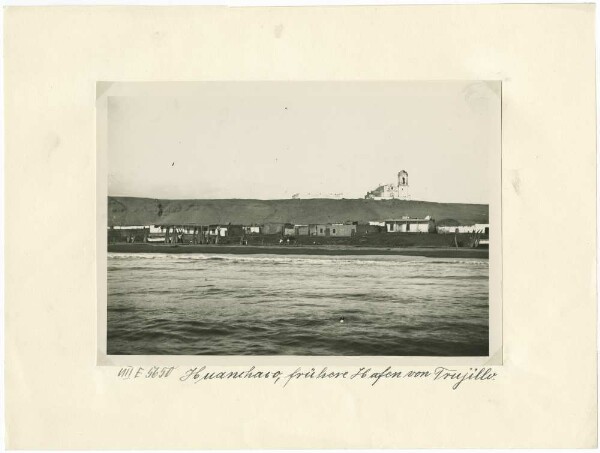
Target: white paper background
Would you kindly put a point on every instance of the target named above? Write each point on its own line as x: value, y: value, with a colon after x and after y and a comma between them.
x: 545, y: 395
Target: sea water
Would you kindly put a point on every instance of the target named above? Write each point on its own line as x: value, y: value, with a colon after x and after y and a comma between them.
x: 292, y: 305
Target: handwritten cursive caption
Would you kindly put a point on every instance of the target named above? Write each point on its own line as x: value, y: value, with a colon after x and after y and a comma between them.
x: 196, y: 375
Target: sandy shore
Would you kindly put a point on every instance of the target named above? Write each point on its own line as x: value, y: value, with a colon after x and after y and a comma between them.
x: 300, y: 250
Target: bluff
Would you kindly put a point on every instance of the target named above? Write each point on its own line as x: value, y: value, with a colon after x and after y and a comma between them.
x: 147, y: 211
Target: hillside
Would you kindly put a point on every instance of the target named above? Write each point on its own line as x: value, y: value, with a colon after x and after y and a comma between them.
x: 147, y: 211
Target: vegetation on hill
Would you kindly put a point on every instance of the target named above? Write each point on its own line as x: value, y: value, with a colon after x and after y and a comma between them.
x: 147, y: 211
x: 449, y: 222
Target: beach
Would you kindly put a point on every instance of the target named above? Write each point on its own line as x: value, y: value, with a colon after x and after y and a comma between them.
x: 331, y: 250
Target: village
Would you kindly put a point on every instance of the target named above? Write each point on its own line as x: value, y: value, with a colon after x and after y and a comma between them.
x: 402, y: 231
x: 372, y: 233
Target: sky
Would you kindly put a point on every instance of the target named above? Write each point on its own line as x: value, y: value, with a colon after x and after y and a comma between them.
x: 271, y: 140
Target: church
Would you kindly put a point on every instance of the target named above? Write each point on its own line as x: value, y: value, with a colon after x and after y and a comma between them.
x: 392, y: 191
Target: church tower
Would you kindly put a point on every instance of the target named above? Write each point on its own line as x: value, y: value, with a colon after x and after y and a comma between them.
x: 403, y: 185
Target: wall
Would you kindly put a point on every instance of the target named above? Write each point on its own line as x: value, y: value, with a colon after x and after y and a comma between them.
x: 479, y: 227
x: 301, y: 230
x: 410, y: 227
x: 369, y: 229
x: 342, y: 230
x: 319, y: 229
x: 125, y: 234
x: 272, y: 228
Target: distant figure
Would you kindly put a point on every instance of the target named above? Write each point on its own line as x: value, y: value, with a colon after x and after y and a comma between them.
x: 342, y: 320
x: 280, y: 241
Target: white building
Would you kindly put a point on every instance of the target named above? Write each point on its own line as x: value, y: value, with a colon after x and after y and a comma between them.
x: 157, y: 229
x: 217, y: 230
x: 410, y: 225
x: 252, y: 229
x: 482, y: 228
x: 392, y: 191
x: 128, y: 227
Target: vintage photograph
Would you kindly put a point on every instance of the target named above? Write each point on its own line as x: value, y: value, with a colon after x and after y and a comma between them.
x: 302, y: 218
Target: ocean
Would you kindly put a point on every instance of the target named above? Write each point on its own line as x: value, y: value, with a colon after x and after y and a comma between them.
x: 206, y: 304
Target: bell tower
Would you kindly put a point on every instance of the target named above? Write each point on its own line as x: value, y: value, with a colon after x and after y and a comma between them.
x: 403, y: 185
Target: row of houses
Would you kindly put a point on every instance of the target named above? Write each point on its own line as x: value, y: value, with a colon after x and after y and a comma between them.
x: 212, y: 233
x: 481, y: 228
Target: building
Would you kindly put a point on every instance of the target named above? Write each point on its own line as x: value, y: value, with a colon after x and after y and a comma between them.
x: 332, y: 229
x: 318, y: 229
x: 289, y: 230
x: 392, y: 191
x: 128, y: 228
x: 342, y: 229
x: 271, y: 228
x: 217, y: 230
x: 370, y: 228
x: 410, y: 225
x: 403, y: 185
x: 252, y: 229
x: 235, y: 230
x: 481, y: 228
x: 137, y: 233
x: 178, y: 234
x: 156, y: 233
x: 301, y: 230
x: 157, y: 229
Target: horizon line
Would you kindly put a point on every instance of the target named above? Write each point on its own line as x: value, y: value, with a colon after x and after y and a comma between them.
x: 291, y: 199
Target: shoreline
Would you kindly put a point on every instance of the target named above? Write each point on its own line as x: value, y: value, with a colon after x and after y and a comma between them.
x: 433, y: 252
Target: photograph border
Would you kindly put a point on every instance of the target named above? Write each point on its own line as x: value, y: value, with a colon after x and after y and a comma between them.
x: 104, y: 90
